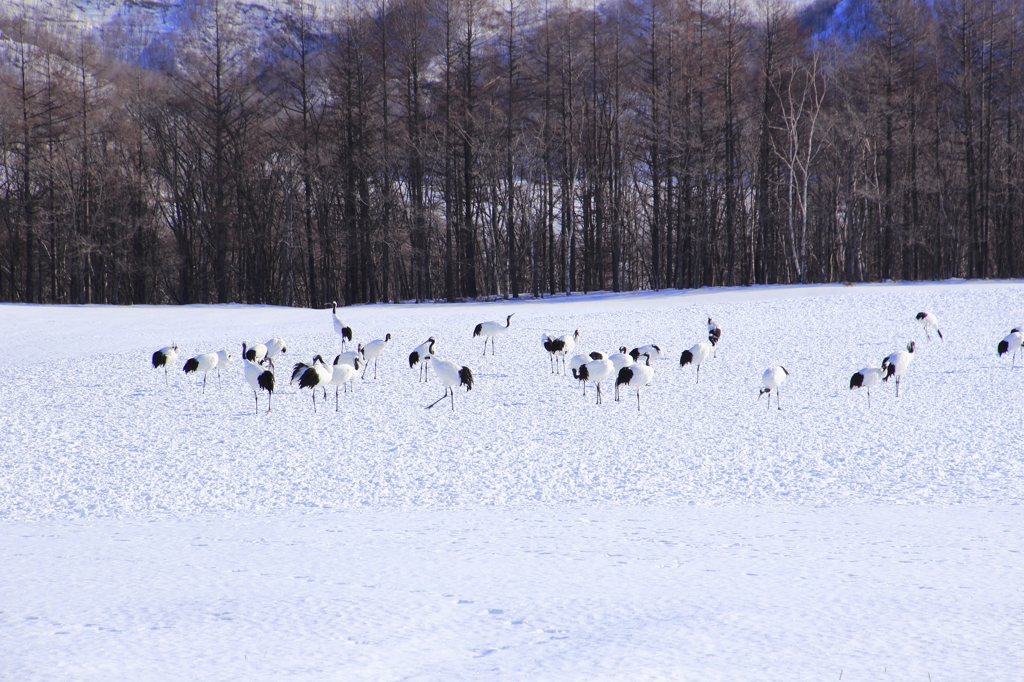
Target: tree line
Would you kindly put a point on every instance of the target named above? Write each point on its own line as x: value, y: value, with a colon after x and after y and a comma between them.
x: 455, y: 149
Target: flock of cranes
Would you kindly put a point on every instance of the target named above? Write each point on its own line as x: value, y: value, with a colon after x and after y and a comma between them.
x: 632, y: 369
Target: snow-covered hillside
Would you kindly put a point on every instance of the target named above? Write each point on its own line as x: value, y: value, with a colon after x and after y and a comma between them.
x: 149, y: 531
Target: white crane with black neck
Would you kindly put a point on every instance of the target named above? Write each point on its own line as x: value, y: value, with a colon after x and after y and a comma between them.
x: 489, y: 330
x: 421, y: 355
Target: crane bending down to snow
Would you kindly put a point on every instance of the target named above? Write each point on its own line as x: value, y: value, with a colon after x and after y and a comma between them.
x: 772, y: 379
x: 929, y: 321
x: 202, y: 363
x: 866, y: 378
x: 451, y: 375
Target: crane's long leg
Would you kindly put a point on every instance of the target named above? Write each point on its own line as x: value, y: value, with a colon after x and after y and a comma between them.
x: 698, y: 374
x: 869, y: 398
x: 598, y: 393
x: 637, y: 399
x: 314, y: 399
x: 453, y: 398
x: 270, y: 394
x: 778, y: 398
x: 254, y: 395
x: 439, y: 399
x: 204, y: 384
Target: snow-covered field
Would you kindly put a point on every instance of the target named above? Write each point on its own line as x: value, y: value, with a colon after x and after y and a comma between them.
x: 151, y: 532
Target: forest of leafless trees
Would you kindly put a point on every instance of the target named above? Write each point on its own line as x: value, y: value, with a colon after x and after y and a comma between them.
x: 452, y: 149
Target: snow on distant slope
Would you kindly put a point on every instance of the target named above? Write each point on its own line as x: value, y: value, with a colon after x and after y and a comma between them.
x: 92, y: 431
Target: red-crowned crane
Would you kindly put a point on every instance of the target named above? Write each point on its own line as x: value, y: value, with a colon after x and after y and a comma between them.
x: 372, y: 351
x: 223, y: 360
x: 595, y: 372
x: 896, y: 364
x: 1011, y: 344
x: 771, y: 380
x: 651, y: 350
x: 340, y: 328
x: 202, y: 363
x: 574, y: 367
x: 275, y: 347
x: 421, y: 356
x: 620, y: 360
x: 312, y: 376
x: 165, y: 357
x: 636, y: 375
x: 714, y: 334
x: 451, y: 375
x: 259, y: 379
x: 343, y: 373
x: 695, y: 356
x: 866, y: 378
x: 559, y: 347
x: 489, y: 330
x: 256, y: 353
x: 929, y: 321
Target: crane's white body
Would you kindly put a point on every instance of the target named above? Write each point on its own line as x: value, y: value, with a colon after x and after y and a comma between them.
x: 620, y: 360
x: 372, y: 351
x: 650, y: 350
x: 771, y: 380
x: 866, y: 378
x: 259, y: 379
x: 1011, y: 344
x: 597, y: 371
x: 714, y: 334
x: 165, y: 357
x: 636, y: 375
x: 312, y: 376
x: 340, y: 328
x: 696, y: 355
x: 897, y: 363
x: 256, y: 353
x: 929, y: 321
x: 451, y: 375
x: 489, y: 330
x: 223, y: 360
x: 574, y: 367
x: 343, y: 373
x: 275, y: 347
x: 204, y: 363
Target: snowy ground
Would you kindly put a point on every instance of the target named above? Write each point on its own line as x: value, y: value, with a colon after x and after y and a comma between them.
x: 153, y: 532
